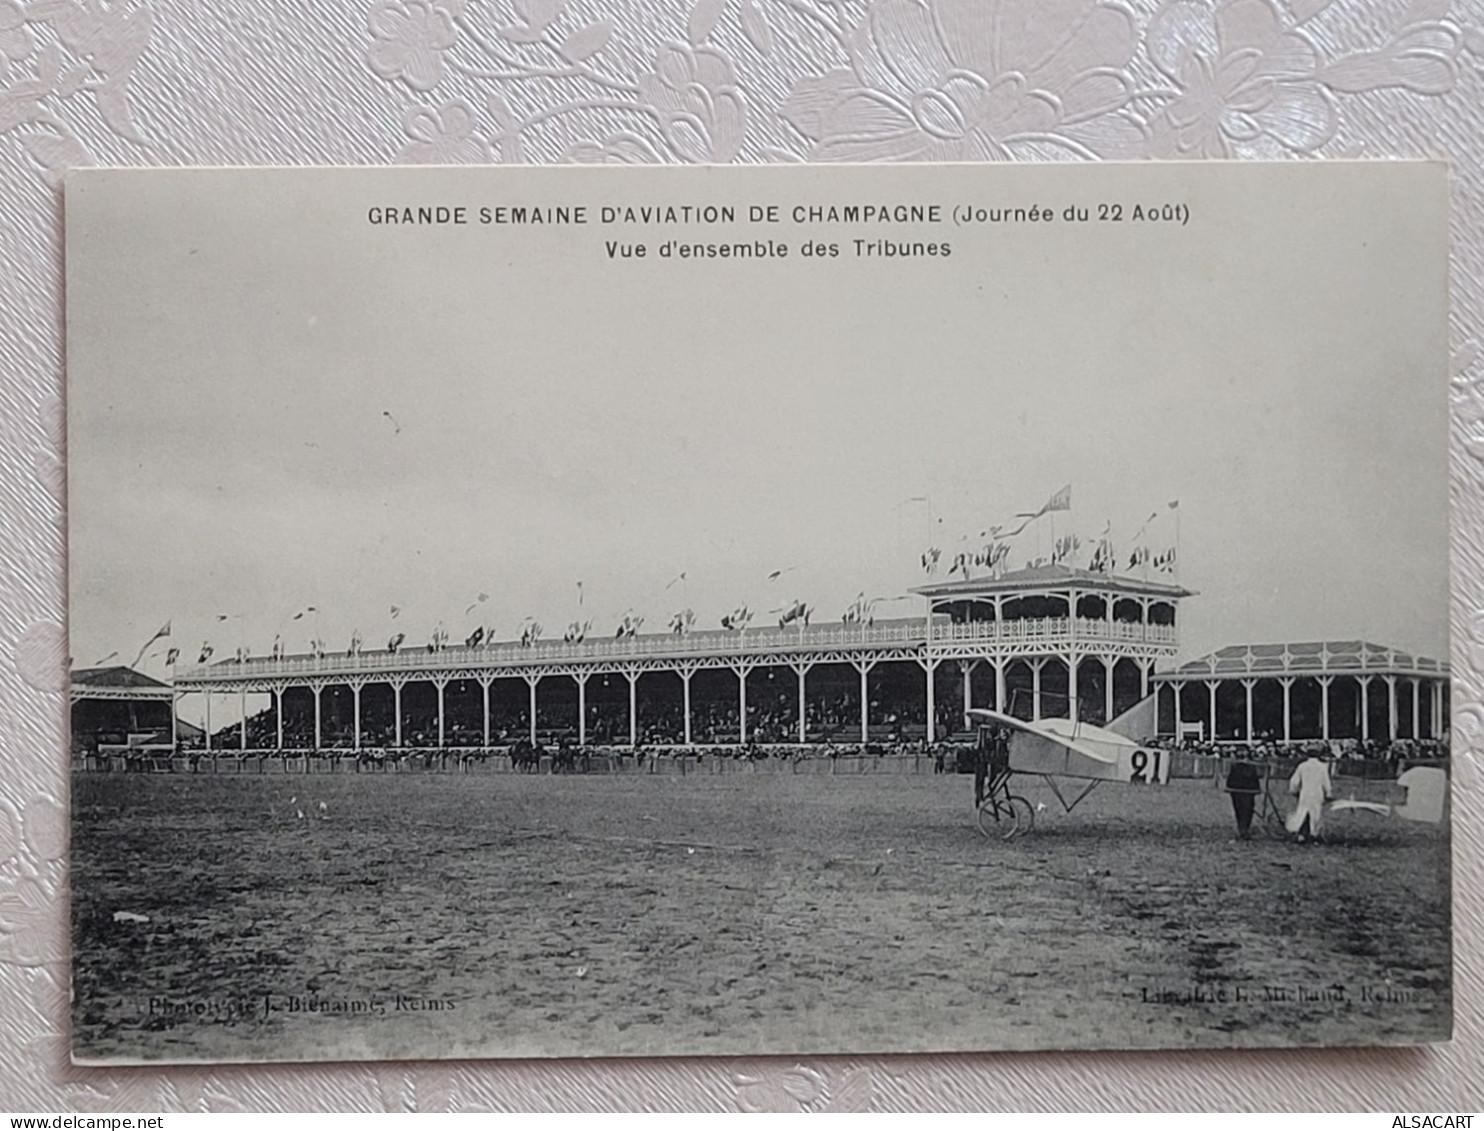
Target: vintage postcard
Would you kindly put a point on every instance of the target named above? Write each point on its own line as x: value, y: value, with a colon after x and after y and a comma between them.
x: 717, y: 611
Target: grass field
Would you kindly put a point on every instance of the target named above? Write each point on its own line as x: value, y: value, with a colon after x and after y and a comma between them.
x: 498, y: 914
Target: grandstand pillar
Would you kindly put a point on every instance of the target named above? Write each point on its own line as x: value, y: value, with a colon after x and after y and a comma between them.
x: 484, y: 718
x: 1176, y: 686
x: 999, y: 686
x: 1435, y: 701
x: 1036, y: 688
x: 581, y: 678
x: 741, y: 705
x: 439, y: 684
x: 1391, y: 707
x: 1109, y: 664
x: 531, y: 683
x: 1247, y: 686
x: 174, y: 727
x: 355, y: 716
x: 1416, y: 708
x: 1211, y: 685
x: 633, y: 678
x: 277, y: 714
x: 1324, y: 682
x: 397, y: 710
x: 967, y: 667
x: 1287, y: 684
x: 242, y: 705
x: 930, y: 667
x: 685, y: 674
x: 864, y: 667
x: 1072, y: 662
x: 316, y: 689
x: 1365, y: 707
x: 803, y: 670
x: 208, y: 720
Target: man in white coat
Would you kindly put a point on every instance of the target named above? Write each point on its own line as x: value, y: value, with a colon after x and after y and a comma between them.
x: 1312, y: 786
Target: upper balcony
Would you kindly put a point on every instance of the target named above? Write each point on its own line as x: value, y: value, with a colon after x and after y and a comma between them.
x: 754, y: 645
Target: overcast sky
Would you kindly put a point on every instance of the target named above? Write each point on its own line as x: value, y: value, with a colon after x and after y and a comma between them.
x: 274, y: 405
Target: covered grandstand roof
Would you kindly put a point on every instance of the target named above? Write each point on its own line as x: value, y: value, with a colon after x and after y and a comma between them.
x: 116, y: 683
x: 1052, y: 577
x: 1312, y: 658
x: 113, y: 677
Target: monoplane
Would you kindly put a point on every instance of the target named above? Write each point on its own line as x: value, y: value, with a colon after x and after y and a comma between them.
x: 1062, y: 751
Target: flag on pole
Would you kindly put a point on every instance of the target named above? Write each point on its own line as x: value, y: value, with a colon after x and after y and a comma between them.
x: 171, y: 656
x: 737, y: 620
x: 206, y: 651
x: 395, y: 642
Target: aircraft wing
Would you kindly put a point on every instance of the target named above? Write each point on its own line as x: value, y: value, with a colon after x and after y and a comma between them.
x: 1062, y: 748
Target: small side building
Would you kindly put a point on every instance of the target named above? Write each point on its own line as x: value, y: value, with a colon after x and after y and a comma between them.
x: 120, y: 707
x: 1333, y: 689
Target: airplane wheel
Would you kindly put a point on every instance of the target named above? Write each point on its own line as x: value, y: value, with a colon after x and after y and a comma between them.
x: 1025, y: 815
x: 994, y: 820
x: 1003, y: 819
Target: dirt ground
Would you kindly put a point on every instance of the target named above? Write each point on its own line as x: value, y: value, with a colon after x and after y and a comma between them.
x: 447, y: 915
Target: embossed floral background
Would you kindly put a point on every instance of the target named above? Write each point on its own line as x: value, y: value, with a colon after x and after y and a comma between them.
x: 155, y: 82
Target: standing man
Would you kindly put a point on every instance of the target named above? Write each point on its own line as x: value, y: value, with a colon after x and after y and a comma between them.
x: 1312, y: 786
x: 1244, y: 783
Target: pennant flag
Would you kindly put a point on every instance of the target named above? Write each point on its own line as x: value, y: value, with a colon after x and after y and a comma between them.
x: 1061, y: 501
x: 392, y: 420
x: 579, y: 594
x: 395, y: 642
x: 105, y: 659
x: 396, y: 611
x: 206, y: 651
x: 682, y: 622
x: 678, y: 578
x: 163, y: 631
x: 317, y: 646
x: 223, y: 616
x: 474, y: 639
x: 300, y: 615
x: 1173, y: 504
x: 171, y: 656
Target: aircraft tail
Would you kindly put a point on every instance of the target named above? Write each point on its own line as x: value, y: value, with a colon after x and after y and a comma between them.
x: 1140, y: 722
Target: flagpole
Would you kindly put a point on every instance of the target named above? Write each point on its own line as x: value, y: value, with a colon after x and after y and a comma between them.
x: 1177, y: 540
